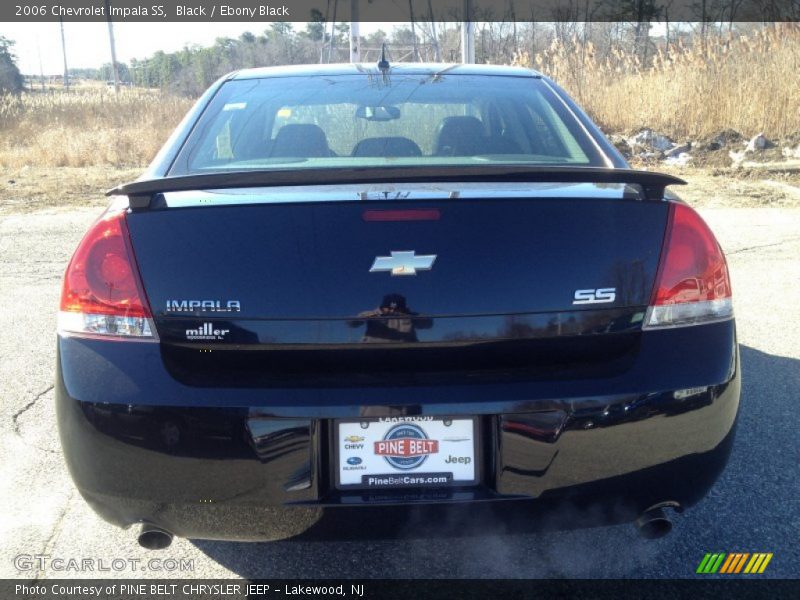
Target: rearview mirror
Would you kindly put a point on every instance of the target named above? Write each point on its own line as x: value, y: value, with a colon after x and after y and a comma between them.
x: 378, y: 113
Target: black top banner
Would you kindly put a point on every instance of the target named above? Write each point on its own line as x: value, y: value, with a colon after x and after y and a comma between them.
x: 396, y: 10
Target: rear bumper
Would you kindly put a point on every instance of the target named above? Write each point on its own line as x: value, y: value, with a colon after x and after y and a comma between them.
x: 254, y: 463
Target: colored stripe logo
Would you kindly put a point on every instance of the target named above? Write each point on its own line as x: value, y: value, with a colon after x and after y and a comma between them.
x: 734, y: 562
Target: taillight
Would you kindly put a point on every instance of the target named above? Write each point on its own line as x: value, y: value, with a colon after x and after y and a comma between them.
x: 692, y: 285
x: 102, y: 293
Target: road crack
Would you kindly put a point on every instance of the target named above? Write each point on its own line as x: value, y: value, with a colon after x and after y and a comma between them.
x: 50, y: 542
x: 749, y: 248
x: 26, y: 408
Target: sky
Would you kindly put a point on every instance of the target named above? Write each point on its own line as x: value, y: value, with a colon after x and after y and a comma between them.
x: 87, y: 43
x: 88, y: 46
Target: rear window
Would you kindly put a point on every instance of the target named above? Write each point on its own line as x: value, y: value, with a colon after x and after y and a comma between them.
x: 371, y: 121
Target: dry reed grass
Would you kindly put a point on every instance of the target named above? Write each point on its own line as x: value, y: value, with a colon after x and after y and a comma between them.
x: 748, y: 83
x: 86, y: 127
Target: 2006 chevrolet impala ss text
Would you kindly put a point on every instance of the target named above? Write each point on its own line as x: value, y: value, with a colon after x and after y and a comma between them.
x: 351, y: 285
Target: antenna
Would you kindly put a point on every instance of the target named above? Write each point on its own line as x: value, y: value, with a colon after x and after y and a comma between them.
x: 383, y: 64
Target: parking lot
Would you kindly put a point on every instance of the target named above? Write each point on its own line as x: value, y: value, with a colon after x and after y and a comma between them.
x: 755, y: 507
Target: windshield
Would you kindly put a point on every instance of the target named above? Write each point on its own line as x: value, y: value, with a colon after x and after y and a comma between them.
x: 371, y: 121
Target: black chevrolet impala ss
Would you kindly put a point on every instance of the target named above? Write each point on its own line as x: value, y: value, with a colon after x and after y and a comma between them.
x: 356, y: 285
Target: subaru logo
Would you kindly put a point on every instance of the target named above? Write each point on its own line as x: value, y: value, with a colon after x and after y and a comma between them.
x: 354, y: 460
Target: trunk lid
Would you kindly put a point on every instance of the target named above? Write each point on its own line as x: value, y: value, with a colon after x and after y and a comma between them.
x: 246, y: 290
x: 317, y: 260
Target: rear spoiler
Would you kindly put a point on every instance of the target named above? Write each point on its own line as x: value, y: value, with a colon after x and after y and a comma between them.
x: 141, y: 193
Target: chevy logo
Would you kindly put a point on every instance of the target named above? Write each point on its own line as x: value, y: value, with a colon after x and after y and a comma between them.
x: 403, y: 263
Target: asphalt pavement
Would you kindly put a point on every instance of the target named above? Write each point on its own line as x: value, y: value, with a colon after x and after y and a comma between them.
x: 754, y: 507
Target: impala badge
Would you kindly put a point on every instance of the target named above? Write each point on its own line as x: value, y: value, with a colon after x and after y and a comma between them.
x: 403, y: 263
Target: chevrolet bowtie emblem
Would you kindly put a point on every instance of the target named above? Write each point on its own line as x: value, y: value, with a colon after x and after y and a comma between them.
x: 403, y: 263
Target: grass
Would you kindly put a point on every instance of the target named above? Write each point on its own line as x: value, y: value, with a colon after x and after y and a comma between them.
x: 86, y: 127
x: 747, y: 83
x: 27, y: 189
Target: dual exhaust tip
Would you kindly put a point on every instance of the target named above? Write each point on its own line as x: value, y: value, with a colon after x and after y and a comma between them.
x: 652, y: 524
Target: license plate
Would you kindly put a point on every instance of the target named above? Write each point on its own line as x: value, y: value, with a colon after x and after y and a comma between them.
x: 406, y: 452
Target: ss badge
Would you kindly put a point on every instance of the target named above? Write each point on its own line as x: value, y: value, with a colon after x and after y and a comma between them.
x: 597, y: 296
